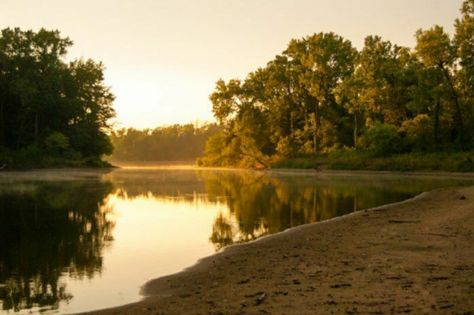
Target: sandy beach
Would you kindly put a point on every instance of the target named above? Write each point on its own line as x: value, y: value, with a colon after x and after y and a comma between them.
x: 412, y: 257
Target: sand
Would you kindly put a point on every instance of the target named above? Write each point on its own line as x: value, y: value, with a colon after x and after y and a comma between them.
x: 412, y: 257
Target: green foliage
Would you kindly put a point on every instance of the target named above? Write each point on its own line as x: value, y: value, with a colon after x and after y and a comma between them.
x: 173, y: 143
x: 383, y: 139
x: 57, y: 143
x: 434, y: 47
x: 418, y: 133
x: 321, y: 96
x: 50, y: 109
x: 214, y: 153
x: 284, y: 147
x: 437, y: 51
x: 27, y: 157
x: 366, y: 160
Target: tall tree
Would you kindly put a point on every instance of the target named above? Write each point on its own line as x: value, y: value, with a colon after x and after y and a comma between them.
x: 322, y: 95
x: 464, y: 40
x: 42, y: 97
x: 326, y: 59
x: 436, y: 50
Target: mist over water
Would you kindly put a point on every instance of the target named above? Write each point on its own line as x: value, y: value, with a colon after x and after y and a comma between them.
x: 74, y: 241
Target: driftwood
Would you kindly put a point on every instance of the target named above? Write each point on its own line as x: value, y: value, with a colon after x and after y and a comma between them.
x: 3, y: 166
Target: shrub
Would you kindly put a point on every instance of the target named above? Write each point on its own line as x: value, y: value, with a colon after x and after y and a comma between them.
x: 383, y: 139
x: 284, y: 147
x: 418, y: 132
x: 57, y: 143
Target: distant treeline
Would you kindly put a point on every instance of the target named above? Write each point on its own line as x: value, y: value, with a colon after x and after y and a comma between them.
x: 322, y: 95
x: 173, y: 143
x: 52, y: 112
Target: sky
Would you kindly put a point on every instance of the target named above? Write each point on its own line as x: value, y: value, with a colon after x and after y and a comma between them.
x: 163, y: 57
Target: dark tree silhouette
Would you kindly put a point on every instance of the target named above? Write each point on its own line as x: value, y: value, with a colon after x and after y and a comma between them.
x: 50, y: 110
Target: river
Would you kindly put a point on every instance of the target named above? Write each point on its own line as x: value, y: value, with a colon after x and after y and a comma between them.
x: 80, y: 240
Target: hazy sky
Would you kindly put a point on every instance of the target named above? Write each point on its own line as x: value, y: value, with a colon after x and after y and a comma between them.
x: 164, y: 56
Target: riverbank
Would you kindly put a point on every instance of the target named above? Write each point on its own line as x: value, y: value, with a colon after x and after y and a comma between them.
x: 416, y: 256
x: 367, y: 161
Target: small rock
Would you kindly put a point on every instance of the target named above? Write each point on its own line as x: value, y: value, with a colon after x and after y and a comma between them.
x: 260, y: 298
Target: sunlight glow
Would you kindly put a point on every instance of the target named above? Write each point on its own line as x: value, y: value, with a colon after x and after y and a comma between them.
x: 163, y: 57
x: 146, y: 236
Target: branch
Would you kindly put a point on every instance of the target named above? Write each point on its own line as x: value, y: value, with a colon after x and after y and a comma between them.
x: 256, y: 158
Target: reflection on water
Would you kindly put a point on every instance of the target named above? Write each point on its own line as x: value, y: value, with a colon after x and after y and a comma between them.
x: 45, y: 231
x: 81, y: 244
x: 262, y: 204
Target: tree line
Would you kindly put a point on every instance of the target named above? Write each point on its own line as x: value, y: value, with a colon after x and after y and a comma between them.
x: 51, y: 110
x: 323, y: 95
x: 172, y: 143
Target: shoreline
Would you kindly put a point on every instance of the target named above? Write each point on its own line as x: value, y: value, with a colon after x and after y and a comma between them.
x: 191, y: 167
x: 371, y: 261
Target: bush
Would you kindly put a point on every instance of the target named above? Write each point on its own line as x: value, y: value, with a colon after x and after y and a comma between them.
x: 57, y: 143
x: 219, y: 151
x: 383, y: 140
x: 27, y: 157
x: 418, y: 132
x: 365, y: 160
x: 284, y: 147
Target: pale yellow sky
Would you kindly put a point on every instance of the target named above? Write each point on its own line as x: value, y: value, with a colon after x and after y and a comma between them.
x: 164, y: 56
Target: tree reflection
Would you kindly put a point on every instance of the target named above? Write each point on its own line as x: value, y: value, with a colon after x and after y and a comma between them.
x: 48, y: 230
x: 222, y: 234
x: 260, y: 204
x: 182, y: 184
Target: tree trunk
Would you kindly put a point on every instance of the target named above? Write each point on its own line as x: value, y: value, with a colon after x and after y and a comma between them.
x: 316, y: 123
x: 292, y: 123
x: 457, y: 108
x: 2, y: 125
x: 356, y: 129
x: 36, y: 127
x: 436, y: 124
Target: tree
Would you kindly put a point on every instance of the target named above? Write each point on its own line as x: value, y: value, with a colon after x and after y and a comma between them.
x: 464, y: 41
x: 348, y: 93
x: 322, y: 95
x: 225, y: 100
x: 326, y: 59
x: 91, y: 103
x: 42, y: 95
x: 436, y: 50
x: 172, y: 143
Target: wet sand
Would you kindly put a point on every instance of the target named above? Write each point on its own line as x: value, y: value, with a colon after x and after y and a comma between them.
x: 412, y: 257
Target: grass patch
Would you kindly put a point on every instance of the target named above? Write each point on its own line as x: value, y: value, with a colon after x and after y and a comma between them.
x: 364, y: 160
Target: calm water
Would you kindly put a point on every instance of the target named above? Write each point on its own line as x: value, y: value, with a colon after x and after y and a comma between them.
x: 74, y: 241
